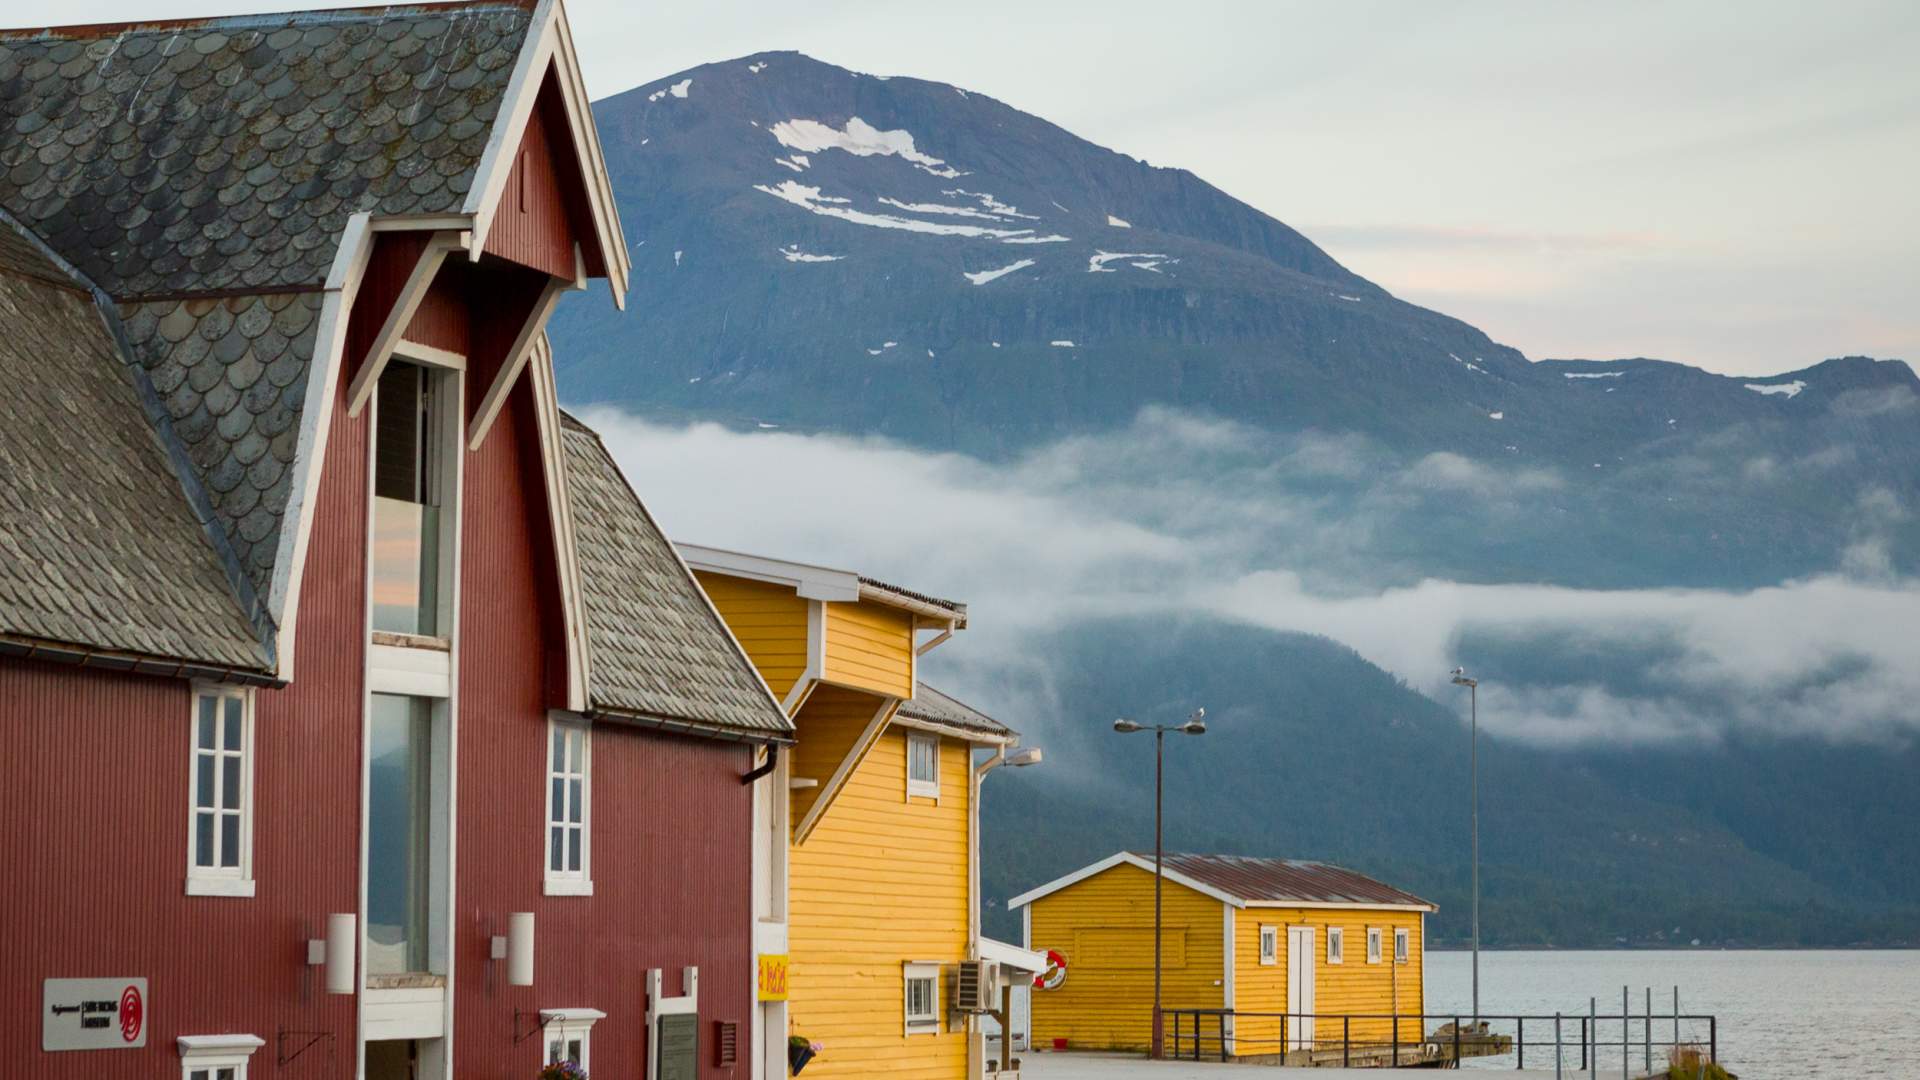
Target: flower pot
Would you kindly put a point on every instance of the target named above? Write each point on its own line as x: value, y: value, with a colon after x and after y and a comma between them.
x: 797, y: 1058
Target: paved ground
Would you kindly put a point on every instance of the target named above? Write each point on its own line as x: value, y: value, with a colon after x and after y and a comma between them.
x: 1051, y: 1066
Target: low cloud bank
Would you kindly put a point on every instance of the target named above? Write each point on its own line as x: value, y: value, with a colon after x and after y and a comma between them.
x: 1187, y: 517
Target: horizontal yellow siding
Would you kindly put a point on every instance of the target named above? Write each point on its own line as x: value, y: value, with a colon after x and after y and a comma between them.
x: 1352, y: 987
x: 1104, y: 927
x: 769, y: 620
x: 828, y: 726
x: 880, y: 882
x: 871, y: 647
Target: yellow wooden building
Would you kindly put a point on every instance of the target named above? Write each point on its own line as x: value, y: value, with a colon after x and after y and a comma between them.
x: 869, y: 888
x: 1253, y: 936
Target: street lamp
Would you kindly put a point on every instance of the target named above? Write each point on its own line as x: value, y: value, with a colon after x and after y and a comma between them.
x: 1195, y: 725
x: 1460, y: 678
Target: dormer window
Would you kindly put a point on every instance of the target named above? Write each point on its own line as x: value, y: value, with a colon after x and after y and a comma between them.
x: 412, y: 488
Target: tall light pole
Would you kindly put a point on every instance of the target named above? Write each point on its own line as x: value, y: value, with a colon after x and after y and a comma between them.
x: 1460, y: 678
x: 1195, y: 725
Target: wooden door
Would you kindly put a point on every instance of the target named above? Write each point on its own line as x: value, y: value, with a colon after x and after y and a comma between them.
x: 1300, y: 987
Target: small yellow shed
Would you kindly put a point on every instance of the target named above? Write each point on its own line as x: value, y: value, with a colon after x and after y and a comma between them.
x: 1340, y: 954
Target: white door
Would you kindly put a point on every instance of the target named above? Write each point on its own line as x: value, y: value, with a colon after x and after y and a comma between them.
x: 1299, y: 987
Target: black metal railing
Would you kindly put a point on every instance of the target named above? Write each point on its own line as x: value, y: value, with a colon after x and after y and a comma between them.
x: 1573, y: 1042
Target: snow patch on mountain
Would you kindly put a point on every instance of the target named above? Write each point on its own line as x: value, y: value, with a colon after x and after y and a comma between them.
x: 793, y: 253
x: 1787, y: 390
x: 678, y: 90
x: 757, y: 68
x: 809, y: 198
x: 860, y: 139
x: 939, y: 208
x: 1118, y: 223
x: 984, y: 276
x: 1592, y: 374
x: 1097, y: 262
x: 1062, y: 344
x: 1051, y: 238
x: 991, y: 204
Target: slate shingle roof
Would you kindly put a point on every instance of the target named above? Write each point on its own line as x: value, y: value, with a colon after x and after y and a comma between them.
x: 98, y: 544
x: 201, y: 172
x: 232, y: 374
x: 656, y: 648
x: 939, y: 708
x: 226, y: 154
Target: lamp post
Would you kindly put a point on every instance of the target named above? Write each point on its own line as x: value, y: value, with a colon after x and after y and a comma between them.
x: 1195, y: 725
x: 1460, y: 678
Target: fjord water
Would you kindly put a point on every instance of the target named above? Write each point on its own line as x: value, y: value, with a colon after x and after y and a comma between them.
x: 1784, y: 1015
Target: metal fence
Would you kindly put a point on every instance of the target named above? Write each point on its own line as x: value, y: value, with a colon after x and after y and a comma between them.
x: 1590, y: 1044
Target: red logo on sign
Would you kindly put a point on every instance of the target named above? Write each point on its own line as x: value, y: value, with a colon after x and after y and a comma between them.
x: 131, y: 1014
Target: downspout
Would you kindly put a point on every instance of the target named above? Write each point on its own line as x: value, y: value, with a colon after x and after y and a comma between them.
x: 976, y: 1038
x: 765, y: 767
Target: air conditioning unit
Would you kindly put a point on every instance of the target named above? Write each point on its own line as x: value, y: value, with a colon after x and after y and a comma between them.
x: 976, y: 986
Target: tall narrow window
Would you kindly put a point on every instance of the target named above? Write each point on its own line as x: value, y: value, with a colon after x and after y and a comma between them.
x: 1336, y: 945
x: 409, y: 488
x: 1269, y: 946
x: 220, y: 832
x: 400, y: 774
x: 1400, y: 945
x: 1373, y: 944
x: 569, y: 809
x: 923, y: 765
x: 922, y: 989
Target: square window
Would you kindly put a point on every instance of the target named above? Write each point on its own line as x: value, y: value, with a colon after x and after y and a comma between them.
x: 1400, y: 945
x: 1336, y: 945
x: 220, y: 790
x: 1269, y: 946
x: 923, y: 765
x: 567, y: 842
x: 922, y: 992
x: 1373, y: 944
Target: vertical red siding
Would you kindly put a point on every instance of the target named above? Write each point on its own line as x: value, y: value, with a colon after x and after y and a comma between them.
x: 441, y: 319
x: 672, y: 823
x: 535, y: 224
x: 94, y: 855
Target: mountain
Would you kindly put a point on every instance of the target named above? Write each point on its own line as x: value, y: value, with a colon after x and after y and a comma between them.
x: 822, y: 251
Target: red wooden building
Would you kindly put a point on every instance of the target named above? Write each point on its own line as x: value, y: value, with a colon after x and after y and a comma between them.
x: 362, y: 722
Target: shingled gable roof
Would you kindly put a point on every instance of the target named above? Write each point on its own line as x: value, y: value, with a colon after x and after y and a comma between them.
x: 1244, y: 881
x: 657, y: 651
x: 936, y: 709
x: 102, y: 556
x: 217, y: 178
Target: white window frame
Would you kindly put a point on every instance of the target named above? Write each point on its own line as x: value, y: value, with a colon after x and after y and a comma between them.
x: 928, y: 1023
x: 1336, y: 945
x: 1402, y: 946
x: 564, y: 882
x: 211, y: 1053
x: 929, y: 789
x: 564, y: 1026
x: 1269, y: 946
x: 220, y: 880
x: 444, y: 379
x: 1373, y: 944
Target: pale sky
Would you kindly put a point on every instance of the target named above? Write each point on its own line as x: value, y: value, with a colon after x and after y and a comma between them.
x: 1727, y: 184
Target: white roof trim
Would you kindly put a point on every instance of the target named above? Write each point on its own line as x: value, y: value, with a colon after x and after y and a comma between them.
x: 810, y: 581
x: 1012, y: 956
x: 553, y: 460
x: 572, y: 1016
x: 1109, y: 863
x: 549, y: 44
x: 953, y: 731
x: 202, y: 1045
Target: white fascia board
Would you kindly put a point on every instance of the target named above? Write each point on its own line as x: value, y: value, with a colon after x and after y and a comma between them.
x: 810, y: 581
x: 573, y: 606
x: 953, y: 731
x: 1114, y: 860
x: 310, y: 449
x: 572, y: 1016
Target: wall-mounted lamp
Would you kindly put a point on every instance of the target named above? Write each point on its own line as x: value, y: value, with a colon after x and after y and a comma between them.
x: 336, y: 953
x: 516, y: 948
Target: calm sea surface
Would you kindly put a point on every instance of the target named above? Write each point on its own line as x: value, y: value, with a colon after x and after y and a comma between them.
x: 1783, y: 1015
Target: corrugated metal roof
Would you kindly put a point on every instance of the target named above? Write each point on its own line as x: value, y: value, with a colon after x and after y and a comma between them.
x: 1257, y: 880
x: 958, y: 609
x: 656, y: 648
x: 935, y: 707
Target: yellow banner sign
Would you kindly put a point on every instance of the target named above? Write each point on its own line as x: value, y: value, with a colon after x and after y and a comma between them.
x: 773, y: 977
